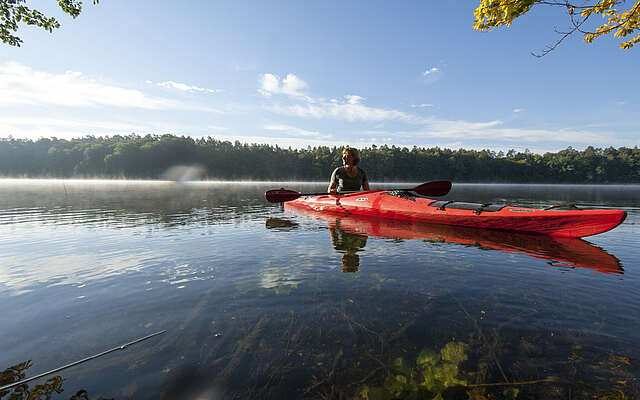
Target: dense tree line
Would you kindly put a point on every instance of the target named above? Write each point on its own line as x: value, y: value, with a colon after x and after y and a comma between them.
x: 150, y: 156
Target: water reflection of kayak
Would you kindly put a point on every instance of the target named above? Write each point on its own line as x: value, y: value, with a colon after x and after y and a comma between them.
x: 560, y: 251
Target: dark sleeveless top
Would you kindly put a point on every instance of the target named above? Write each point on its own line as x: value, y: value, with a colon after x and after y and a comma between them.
x: 346, y: 183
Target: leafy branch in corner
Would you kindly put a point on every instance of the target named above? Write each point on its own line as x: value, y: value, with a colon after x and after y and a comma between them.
x: 620, y: 23
x: 13, y: 13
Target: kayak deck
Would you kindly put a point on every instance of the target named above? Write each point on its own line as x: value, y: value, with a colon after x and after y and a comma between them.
x: 406, y: 206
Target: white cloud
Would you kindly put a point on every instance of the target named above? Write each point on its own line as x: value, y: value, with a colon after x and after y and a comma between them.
x: 63, y: 128
x: 216, y: 128
x: 295, y: 131
x: 269, y: 83
x: 341, y: 111
x: 291, y: 85
x: 350, y: 108
x: 457, y: 127
x: 517, y: 110
x: 186, y: 88
x: 423, y: 105
x: 535, y: 141
x: 557, y: 135
x: 353, y: 99
x: 70, y: 126
x: 493, y: 132
x: 20, y: 84
x: 430, y: 71
x: 432, y: 75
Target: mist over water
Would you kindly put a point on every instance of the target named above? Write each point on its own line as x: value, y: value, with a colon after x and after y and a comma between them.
x: 262, y: 302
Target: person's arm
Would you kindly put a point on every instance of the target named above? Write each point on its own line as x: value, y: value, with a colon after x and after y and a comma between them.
x: 333, y: 183
x: 365, y: 181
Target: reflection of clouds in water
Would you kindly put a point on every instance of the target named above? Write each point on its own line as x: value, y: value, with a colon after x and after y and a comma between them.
x: 314, y: 259
x: 58, y: 256
x: 18, y: 273
x: 185, y: 273
x: 274, y: 277
x: 55, y: 255
x: 300, y: 263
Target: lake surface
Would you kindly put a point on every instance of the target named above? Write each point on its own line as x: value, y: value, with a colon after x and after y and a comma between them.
x: 260, y: 301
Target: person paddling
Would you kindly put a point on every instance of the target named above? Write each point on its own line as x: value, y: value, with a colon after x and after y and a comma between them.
x: 349, y: 177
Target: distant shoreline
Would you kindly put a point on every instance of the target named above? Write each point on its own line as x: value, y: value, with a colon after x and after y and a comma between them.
x: 180, y: 158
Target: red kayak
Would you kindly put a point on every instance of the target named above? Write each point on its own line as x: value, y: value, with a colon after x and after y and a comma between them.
x: 405, y: 205
x: 564, y: 252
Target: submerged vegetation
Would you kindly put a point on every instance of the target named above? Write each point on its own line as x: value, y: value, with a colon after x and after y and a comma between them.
x: 428, y: 377
x: 152, y: 156
x: 423, y: 346
x: 38, y: 391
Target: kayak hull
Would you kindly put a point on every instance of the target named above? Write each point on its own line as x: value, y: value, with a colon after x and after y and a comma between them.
x: 398, y: 205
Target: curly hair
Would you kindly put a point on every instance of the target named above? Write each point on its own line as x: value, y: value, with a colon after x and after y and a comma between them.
x: 353, y: 152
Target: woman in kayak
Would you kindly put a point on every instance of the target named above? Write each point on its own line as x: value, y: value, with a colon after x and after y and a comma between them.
x: 349, y: 177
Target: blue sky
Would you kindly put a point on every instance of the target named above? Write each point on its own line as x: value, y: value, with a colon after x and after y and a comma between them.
x: 299, y: 73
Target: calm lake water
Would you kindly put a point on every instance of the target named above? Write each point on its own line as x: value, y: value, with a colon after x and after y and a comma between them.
x: 260, y: 301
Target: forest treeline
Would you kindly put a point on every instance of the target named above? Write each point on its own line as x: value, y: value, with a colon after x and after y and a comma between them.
x: 150, y: 156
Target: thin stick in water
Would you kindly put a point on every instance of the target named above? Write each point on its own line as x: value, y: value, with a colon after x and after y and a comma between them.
x: 53, y: 371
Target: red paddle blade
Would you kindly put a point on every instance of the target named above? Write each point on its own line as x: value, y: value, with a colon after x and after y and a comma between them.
x: 435, y: 188
x: 281, y: 195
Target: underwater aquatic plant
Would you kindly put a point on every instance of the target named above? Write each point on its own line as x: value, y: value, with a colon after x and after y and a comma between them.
x: 428, y: 377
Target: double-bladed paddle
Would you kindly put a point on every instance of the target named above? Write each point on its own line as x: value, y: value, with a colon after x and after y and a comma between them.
x: 435, y: 188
